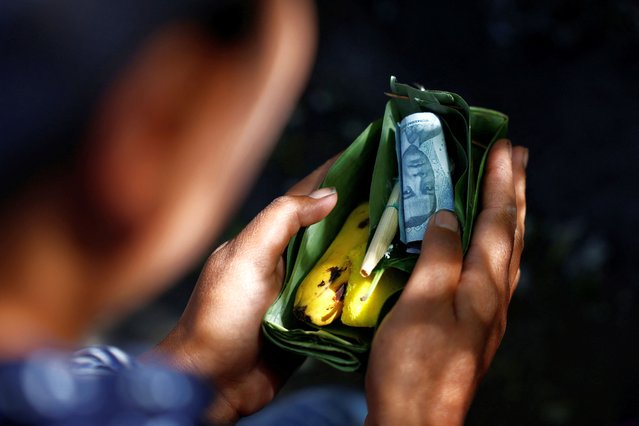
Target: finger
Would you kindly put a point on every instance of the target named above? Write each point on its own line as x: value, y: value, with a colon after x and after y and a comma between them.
x: 265, y: 238
x: 313, y: 180
x: 520, y: 161
x: 493, y: 238
x: 484, y: 290
x: 515, y: 282
x: 438, y: 268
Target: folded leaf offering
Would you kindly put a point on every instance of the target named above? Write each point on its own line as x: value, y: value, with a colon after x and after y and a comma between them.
x: 330, y: 302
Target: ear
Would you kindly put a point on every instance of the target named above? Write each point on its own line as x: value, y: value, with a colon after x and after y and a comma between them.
x: 181, y: 135
x: 189, y: 105
x: 140, y: 122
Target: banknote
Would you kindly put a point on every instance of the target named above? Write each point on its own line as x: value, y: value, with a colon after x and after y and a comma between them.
x: 424, y: 175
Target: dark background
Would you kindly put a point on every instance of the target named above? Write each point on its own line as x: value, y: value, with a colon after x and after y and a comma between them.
x: 566, y: 74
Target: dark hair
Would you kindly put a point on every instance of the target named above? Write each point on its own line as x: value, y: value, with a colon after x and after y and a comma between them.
x: 56, y: 57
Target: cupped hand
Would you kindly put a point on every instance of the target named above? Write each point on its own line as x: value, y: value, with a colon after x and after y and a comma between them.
x: 434, y: 346
x: 219, y: 335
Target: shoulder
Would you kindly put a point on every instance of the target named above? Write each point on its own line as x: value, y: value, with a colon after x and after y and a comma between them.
x: 96, y: 385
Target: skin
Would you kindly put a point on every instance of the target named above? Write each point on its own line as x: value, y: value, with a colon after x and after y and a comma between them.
x: 238, y: 284
x: 154, y: 186
x: 430, y: 351
x: 437, y: 342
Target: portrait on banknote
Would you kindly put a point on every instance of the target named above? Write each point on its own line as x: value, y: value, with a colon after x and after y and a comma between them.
x: 426, y: 185
x: 419, y: 188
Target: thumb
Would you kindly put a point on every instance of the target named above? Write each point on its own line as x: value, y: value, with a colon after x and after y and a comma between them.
x: 438, y: 268
x: 266, y: 237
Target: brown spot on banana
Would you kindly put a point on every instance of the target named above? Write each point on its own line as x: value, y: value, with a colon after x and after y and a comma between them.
x: 364, y: 223
x: 339, y: 294
x: 336, y: 272
x: 319, y: 298
x: 300, y: 313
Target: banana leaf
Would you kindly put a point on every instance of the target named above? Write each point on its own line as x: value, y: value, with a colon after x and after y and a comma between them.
x: 366, y: 171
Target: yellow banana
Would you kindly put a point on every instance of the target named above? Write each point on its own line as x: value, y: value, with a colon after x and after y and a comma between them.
x: 320, y: 296
x: 365, y: 296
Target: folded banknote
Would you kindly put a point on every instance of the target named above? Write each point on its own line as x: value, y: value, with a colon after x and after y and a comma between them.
x: 425, y: 180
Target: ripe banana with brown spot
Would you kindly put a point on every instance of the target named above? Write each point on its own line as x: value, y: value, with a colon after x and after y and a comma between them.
x: 320, y: 296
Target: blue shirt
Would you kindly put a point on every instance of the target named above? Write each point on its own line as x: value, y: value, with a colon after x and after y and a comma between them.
x: 99, y: 385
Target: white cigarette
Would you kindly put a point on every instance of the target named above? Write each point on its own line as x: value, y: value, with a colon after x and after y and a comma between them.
x: 384, y: 234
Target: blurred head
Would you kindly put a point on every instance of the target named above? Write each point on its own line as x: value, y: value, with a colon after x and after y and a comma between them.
x: 133, y: 130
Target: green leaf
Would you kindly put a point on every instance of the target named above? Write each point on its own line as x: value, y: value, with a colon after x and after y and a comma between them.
x: 487, y: 126
x: 337, y: 345
x: 385, y: 169
x: 366, y: 171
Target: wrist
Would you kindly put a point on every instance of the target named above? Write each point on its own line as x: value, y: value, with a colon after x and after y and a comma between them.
x: 418, y: 413
x: 180, y: 350
x: 430, y: 411
x: 443, y: 398
x: 175, y: 350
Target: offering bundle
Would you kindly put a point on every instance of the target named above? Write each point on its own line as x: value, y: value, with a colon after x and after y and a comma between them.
x: 344, y: 273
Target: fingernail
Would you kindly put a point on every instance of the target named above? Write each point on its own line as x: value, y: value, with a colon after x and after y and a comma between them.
x: 446, y: 219
x: 322, y: 192
x: 525, y: 158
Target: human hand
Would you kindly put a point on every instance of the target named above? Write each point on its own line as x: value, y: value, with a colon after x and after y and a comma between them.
x: 434, y: 346
x: 219, y: 335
